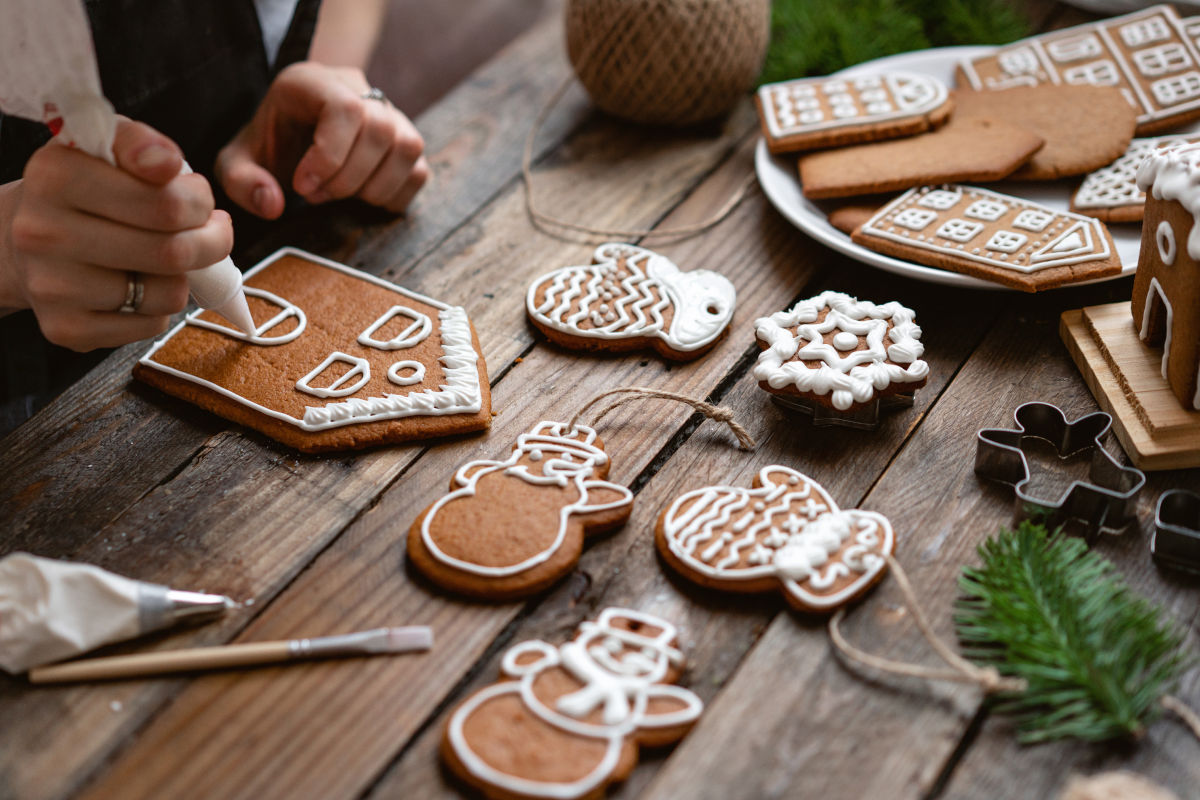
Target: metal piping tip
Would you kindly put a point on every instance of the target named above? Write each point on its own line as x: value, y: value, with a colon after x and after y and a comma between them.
x: 160, y: 607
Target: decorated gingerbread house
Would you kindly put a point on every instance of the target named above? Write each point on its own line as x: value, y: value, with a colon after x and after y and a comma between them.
x: 1166, y: 291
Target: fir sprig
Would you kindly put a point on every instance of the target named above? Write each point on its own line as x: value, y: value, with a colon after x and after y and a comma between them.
x: 817, y: 37
x: 1097, y: 657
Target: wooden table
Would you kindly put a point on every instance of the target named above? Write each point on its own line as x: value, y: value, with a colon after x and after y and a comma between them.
x: 122, y: 476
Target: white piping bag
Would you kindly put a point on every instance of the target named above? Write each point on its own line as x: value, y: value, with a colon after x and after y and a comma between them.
x: 51, y: 610
x: 48, y: 74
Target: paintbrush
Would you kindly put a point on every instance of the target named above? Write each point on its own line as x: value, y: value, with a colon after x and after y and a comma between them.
x: 199, y: 659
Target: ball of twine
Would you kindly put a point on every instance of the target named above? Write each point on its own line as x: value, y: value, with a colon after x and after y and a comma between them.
x: 672, y: 62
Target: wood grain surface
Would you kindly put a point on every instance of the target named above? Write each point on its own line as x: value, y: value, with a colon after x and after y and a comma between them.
x: 129, y: 479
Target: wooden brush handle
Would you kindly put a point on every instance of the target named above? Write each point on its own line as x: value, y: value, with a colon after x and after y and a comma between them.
x: 190, y: 660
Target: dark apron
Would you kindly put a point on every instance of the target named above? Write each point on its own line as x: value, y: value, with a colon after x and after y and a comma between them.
x: 193, y: 69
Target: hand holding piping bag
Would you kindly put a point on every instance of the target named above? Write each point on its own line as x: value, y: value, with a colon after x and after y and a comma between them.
x: 48, y: 73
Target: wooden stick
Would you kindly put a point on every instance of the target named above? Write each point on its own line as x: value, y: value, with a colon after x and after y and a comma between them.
x: 200, y: 659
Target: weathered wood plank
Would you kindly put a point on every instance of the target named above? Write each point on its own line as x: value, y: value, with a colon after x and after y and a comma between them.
x: 220, y: 492
x: 361, y: 714
x: 820, y: 735
x: 719, y: 628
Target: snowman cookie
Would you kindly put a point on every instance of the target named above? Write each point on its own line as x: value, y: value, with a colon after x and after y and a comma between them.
x: 566, y: 721
x: 631, y: 298
x: 784, y: 534
x: 512, y: 528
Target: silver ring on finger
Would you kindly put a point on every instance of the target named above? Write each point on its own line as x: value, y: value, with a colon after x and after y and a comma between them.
x: 135, y: 292
x: 375, y: 93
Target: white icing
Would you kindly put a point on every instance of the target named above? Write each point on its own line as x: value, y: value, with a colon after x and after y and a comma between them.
x: 416, y: 376
x: 416, y: 332
x: 1083, y: 239
x: 360, y: 369
x: 1115, y: 186
x: 1173, y: 173
x: 1153, y: 292
x: 1164, y: 237
x: 461, y: 393
x: 794, y: 538
x: 633, y: 306
x: 566, y: 457
x: 1052, y: 58
x: 788, y: 110
x: 854, y: 377
x: 258, y: 337
x: 620, y: 670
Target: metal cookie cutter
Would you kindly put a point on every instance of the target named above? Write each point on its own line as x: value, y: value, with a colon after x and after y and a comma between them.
x: 1176, y: 541
x: 1106, y: 501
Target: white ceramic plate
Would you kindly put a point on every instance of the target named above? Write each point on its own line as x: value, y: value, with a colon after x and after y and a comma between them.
x: 781, y: 184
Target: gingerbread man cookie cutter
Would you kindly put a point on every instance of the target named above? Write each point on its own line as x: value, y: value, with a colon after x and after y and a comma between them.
x: 1104, y: 502
x: 1176, y: 541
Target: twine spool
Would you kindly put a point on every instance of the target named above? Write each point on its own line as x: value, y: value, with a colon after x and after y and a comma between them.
x: 673, y: 62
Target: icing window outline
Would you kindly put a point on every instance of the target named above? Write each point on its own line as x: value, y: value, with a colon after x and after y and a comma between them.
x: 987, y: 210
x: 289, y: 309
x: 1155, y: 61
x: 1097, y: 73
x: 1075, y: 48
x: 361, y: 369
x: 1006, y: 241
x: 1145, y: 31
x: 940, y: 199
x: 418, y: 373
x: 411, y: 336
x: 959, y: 230
x: 1031, y: 219
x: 1177, y: 88
x: 915, y: 219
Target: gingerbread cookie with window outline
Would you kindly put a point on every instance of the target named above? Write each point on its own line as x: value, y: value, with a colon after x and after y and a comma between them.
x: 567, y: 721
x: 811, y: 113
x: 631, y: 298
x: 340, y: 360
x: 1111, y: 193
x: 839, y: 351
x: 510, y: 528
x: 1150, y: 55
x: 784, y: 534
x: 997, y: 237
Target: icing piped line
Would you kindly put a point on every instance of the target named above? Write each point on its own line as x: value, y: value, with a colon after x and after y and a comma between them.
x: 848, y: 380
x: 1173, y: 173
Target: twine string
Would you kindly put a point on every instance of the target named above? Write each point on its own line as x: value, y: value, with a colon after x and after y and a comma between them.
x: 632, y: 393
x: 988, y: 679
x: 547, y: 223
x: 1181, y: 710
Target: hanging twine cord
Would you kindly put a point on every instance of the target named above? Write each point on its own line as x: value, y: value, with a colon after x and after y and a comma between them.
x: 550, y: 224
x: 716, y: 413
x: 1181, y: 710
x: 988, y: 679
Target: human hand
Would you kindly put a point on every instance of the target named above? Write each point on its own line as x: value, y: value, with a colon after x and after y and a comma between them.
x: 75, y: 227
x: 316, y: 131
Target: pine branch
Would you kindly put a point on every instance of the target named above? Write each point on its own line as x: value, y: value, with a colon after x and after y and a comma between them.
x: 1097, y: 657
x: 817, y: 37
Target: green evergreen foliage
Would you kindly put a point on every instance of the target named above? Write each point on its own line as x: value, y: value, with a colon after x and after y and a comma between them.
x: 817, y: 37
x: 1097, y: 657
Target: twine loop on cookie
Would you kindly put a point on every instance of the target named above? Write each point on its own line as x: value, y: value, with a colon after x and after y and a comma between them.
x: 988, y: 679
x: 716, y: 413
x: 1181, y: 710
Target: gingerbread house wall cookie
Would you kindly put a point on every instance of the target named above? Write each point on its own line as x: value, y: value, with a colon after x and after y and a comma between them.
x: 1166, y: 290
x: 1151, y: 55
x: 340, y: 360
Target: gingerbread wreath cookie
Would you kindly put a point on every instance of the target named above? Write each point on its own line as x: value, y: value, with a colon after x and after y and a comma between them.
x: 810, y: 113
x: 970, y: 149
x: 340, y: 360
x: 512, y: 528
x: 631, y: 298
x: 1111, y: 193
x: 1148, y: 55
x: 993, y: 236
x: 566, y: 722
x: 784, y: 534
x: 839, y: 351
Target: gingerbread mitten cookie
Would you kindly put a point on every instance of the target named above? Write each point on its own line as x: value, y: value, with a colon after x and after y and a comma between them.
x: 566, y: 721
x: 631, y: 298
x: 786, y: 534
x: 511, y: 528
